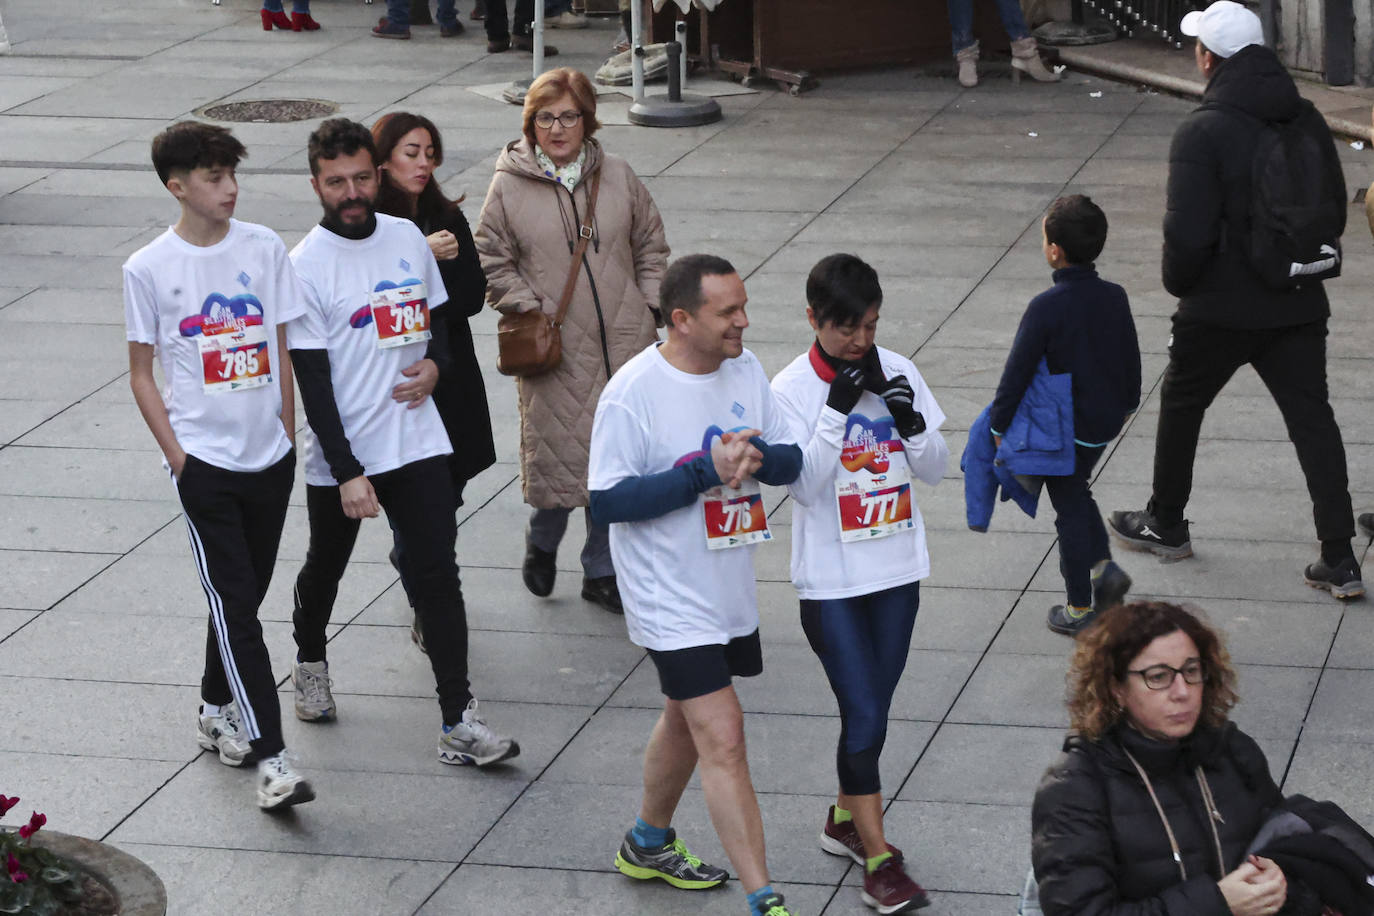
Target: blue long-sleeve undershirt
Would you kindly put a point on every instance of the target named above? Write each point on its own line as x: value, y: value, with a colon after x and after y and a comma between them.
x: 636, y: 499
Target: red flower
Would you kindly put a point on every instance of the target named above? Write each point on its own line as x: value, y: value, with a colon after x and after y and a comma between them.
x: 29, y: 829
x: 7, y: 803
x: 17, y: 874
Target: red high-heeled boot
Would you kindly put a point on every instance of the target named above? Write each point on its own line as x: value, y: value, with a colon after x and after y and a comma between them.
x: 304, y: 21
x: 274, y: 18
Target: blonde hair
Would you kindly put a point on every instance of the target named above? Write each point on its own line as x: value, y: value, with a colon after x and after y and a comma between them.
x: 549, y: 87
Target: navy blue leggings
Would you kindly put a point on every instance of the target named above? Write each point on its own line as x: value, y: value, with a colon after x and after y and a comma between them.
x: 862, y: 643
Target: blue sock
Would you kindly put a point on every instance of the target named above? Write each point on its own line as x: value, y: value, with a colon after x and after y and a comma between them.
x: 272, y: 6
x: 757, y: 898
x: 648, y: 836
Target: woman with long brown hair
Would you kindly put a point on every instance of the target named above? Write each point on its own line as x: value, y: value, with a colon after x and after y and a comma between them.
x: 409, y: 150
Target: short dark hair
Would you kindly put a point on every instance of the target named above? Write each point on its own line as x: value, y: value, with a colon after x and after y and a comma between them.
x: 339, y: 137
x: 841, y: 288
x: 681, y: 284
x: 189, y: 145
x: 1078, y: 226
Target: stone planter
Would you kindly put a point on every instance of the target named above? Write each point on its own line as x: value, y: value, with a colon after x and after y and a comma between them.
x: 136, y: 886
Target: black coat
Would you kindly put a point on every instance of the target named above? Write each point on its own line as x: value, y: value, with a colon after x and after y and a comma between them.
x: 1098, y: 846
x: 461, y: 395
x: 1207, y: 224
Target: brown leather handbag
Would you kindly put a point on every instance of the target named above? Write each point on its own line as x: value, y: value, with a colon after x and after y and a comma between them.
x: 530, y: 343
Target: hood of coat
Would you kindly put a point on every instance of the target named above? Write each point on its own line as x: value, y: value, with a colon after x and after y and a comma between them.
x: 1255, y: 81
x: 518, y: 158
x: 1200, y: 748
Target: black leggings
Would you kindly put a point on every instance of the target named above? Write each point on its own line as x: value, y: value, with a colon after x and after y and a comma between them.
x: 418, y: 500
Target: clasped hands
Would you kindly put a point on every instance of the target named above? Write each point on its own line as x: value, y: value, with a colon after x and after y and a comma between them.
x: 1256, y: 888
x: 735, y: 458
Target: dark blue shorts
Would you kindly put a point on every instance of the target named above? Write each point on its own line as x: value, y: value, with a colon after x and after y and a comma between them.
x: 684, y: 674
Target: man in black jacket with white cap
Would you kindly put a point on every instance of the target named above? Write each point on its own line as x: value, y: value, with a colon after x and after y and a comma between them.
x: 1228, y: 315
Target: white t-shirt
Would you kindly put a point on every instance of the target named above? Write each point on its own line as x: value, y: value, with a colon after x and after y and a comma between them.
x: 342, y: 278
x: 823, y: 564
x: 653, y: 417
x: 212, y: 313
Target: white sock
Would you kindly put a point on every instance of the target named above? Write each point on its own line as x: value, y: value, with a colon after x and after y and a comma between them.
x: 210, y: 709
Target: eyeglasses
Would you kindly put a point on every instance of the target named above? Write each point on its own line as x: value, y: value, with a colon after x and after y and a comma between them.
x: 1161, y: 677
x: 544, y: 119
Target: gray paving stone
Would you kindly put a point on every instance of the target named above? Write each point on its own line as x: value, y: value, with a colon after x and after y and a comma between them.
x: 486, y: 890
x: 18, y: 416
x: 93, y: 424
x: 1354, y: 643
x: 38, y: 579
x: 83, y: 525
x: 83, y: 472
x: 341, y: 821
x: 12, y: 619
x: 85, y: 794
x: 54, y: 715
x: 983, y: 764
x: 1335, y: 770
x: 210, y: 881
x: 1339, y: 709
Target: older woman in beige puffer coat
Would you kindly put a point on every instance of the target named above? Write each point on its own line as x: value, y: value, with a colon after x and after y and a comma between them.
x: 525, y: 236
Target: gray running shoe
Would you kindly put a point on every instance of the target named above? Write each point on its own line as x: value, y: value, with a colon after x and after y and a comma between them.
x: 672, y: 862
x: 223, y: 733
x: 279, y: 785
x: 472, y: 743
x: 1142, y: 531
x: 314, y: 700
x: 1110, y: 587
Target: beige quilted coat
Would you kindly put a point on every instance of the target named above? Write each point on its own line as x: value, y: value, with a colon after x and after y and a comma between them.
x: 523, y: 237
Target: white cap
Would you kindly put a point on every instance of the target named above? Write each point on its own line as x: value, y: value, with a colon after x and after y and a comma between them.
x: 1224, y: 27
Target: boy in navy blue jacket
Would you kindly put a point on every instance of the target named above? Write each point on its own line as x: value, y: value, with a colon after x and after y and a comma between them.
x: 1082, y: 325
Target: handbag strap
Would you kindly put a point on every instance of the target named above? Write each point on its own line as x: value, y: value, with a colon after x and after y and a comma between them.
x: 584, y: 235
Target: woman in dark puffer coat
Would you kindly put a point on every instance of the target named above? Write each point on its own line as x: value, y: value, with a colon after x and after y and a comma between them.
x: 1151, y: 808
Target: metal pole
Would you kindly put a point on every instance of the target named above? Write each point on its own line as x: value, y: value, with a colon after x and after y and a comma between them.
x: 637, y: 49
x: 680, y: 30
x: 538, y: 38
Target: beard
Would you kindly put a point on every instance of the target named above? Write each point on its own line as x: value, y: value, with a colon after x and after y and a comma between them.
x: 356, y: 229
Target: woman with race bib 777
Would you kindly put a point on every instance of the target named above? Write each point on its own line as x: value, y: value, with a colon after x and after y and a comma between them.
x: 869, y: 428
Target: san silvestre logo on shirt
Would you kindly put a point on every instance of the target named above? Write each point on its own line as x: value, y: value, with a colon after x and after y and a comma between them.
x: 869, y: 444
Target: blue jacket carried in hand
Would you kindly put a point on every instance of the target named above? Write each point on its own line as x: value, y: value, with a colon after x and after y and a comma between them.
x: 1038, y: 443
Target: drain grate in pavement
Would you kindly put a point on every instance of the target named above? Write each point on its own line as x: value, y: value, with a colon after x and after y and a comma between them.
x: 268, y: 111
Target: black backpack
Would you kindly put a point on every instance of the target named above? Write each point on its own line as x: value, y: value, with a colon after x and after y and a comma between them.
x: 1297, y: 206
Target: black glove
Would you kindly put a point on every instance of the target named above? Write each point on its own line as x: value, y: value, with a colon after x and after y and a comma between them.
x: 899, y: 397
x: 873, y: 372
x: 845, y: 389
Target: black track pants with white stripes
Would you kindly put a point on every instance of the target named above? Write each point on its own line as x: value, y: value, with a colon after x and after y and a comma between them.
x: 235, y: 519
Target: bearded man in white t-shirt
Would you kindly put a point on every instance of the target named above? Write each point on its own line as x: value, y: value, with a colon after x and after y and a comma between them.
x: 375, y: 439
x: 684, y: 433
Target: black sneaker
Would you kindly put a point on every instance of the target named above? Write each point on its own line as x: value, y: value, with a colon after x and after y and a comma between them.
x: 1110, y: 587
x: 672, y: 862
x: 1341, y: 580
x: 1069, y: 621
x: 1366, y: 523
x: 539, y: 570
x: 1141, y: 531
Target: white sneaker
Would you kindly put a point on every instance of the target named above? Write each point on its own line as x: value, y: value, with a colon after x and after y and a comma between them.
x: 279, y: 785
x: 224, y: 733
x: 314, y: 700
x: 567, y: 20
x: 472, y: 743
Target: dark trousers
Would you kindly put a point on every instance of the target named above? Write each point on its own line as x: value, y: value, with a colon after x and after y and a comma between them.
x: 1082, y: 536
x: 398, y: 549
x: 1292, y: 364
x: 862, y: 643
x: 418, y: 500
x: 234, y: 520
x: 498, y: 26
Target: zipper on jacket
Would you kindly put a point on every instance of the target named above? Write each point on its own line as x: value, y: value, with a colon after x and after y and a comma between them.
x: 596, y: 299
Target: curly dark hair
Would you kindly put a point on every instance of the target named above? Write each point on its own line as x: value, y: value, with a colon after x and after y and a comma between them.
x: 338, y: 137
x: 189, y: 145
x: 1104, y: 651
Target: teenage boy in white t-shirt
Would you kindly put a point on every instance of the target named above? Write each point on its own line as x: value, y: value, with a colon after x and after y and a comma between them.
x: 375, y: 439
x: 870, y: 430
x: 211, y: 297
x: 680, y: 442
